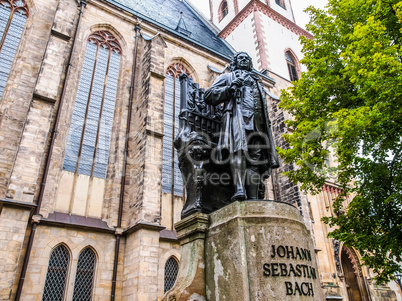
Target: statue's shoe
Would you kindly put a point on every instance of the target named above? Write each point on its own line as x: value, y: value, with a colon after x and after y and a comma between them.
x: 239, y: 196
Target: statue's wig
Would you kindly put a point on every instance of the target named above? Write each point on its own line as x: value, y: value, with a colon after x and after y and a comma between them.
x: 233, y: 63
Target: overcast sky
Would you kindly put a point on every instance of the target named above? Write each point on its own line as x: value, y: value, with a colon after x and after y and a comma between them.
x: 298, y: 7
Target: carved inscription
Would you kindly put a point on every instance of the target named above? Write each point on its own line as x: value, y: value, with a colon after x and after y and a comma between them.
x: 279, y: 269
x: 305, y: 289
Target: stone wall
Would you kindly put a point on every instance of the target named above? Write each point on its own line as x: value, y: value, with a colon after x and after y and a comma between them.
x: 17, y: 96
x: 25, y: 175
x: 92, y: 21
x: 75, y: 240
x: 285, y: 190
x: 383, y: 293
x: 13, y: 227
x: 141, y: 264
x: 167, y: 249
x: 134, y: 191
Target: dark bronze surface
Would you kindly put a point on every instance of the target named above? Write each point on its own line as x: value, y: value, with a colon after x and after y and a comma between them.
x: 225, y: 144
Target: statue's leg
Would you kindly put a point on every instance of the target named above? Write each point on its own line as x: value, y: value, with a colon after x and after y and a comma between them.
x: 253, y: 156
x: 253, y: 182
x: 238, y: 170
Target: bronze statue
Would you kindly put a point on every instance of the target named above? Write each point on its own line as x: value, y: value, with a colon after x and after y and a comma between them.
x: 225, y: 144
x: 245, y: 138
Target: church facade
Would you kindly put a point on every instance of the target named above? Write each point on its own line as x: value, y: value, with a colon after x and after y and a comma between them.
x: 89, y: 184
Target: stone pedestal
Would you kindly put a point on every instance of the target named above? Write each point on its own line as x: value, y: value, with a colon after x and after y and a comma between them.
x: 259, y: 251
x: 254, y: 251
x: 190, y: 283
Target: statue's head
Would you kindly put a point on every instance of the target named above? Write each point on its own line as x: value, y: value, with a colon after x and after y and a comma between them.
x: 241, y: 60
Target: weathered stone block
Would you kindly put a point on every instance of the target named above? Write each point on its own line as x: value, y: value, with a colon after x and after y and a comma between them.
x: 190, y: 283
x: 260, y: 250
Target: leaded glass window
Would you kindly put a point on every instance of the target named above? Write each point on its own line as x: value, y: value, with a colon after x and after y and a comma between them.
x: 88, y: 141
x: 172, y: 181
x: 171, y: 270
x: 56, y: 274
x: 13, y: 16
x: 84, y: 277
x: 291, y: 66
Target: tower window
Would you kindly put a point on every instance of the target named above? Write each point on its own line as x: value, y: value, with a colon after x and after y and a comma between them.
x: 281, y: 3
x: 292, y: 67
x: 13, y: 16
x: 223, y: 10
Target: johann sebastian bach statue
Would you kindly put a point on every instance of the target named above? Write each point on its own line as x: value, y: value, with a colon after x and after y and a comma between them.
x: 225, y: 133
x: 245, y: 138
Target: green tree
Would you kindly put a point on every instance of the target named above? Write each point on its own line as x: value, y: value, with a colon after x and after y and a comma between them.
x: 349, y: 103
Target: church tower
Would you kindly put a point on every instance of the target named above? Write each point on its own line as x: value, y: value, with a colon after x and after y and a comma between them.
x: 266, y: 29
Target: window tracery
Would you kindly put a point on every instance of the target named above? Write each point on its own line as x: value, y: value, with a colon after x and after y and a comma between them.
x: 106, y: 40
x: 13, y: 16
x: 176, y: 69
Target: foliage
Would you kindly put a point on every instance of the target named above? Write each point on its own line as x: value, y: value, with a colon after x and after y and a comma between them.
x: 349, y: 103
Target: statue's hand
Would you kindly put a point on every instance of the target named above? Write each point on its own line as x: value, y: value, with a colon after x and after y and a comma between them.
x: 236, y: 84
x: 239, y: 82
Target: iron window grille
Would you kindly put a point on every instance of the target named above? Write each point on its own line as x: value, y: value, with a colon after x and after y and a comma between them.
x: 171, y: 270
x: 84, y: 278
x: 55, y: 282
x: 13, y: 16
x: 87, y: 150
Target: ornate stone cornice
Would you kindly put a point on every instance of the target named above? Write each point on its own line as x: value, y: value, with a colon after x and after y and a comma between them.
x: 269, y: 12
x: 332, y: 189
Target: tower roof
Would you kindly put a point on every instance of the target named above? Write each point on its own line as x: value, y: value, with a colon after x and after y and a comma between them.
x: 179, y: 18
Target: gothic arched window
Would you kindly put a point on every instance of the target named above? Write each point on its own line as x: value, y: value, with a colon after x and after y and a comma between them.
x: 56, y: 274
x: 171, y: 270
x: 13, y: 16
x: 223, y: 10
x: 171, y: 176
x: 292, y: 67
x: 88, y: 141
x: 84, y: 278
